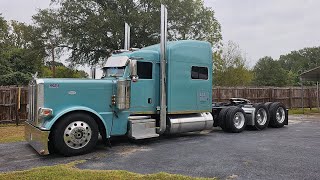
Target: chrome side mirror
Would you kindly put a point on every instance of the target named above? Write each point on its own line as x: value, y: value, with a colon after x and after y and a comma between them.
x: 134, y: 70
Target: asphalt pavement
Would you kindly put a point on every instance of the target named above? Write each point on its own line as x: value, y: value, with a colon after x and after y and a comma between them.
x: 292, y: 152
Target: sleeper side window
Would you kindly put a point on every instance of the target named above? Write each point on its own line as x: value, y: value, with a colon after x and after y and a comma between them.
x: 199, y: 72
x: 144, y: 70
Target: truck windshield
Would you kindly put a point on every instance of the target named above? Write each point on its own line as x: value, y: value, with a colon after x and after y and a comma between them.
x: 113, y: 72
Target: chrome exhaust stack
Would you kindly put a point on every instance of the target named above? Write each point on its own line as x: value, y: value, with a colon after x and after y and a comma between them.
x: 163, y: 64
x: 126, y: 36
x: 93, y: 72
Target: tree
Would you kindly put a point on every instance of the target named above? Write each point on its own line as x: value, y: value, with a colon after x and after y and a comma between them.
x: 15, y: 78
x: 92, y: 29
x: 230, y: 67
x: 62, y: 71
x: 268, y: 72
x: 21, y: 49
x: 47, y: 22
x: 296, y: 62
x: 4, y: 30
x: 21, y: 54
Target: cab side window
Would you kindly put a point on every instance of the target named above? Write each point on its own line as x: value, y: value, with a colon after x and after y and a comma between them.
x: 199, y: 72
x: 144, y: 70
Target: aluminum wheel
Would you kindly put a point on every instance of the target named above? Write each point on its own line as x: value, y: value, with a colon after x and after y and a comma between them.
x: 238, y: 120
x: 280, y: 115
x: 77, y: 134
x: 261, y: 116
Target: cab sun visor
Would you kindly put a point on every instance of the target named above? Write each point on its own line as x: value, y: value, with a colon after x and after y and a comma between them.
x: 117, y: 61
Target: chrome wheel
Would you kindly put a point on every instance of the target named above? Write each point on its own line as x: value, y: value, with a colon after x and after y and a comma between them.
x: 77, y: 134
x: 280, y: 115
x: 261, y: 116
x: 238, y: 120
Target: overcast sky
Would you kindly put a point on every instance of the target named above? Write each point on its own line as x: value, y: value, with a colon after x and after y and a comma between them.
x: 260, y: 27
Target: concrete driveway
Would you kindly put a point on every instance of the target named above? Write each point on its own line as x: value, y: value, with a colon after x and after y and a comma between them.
x: 292, y: 152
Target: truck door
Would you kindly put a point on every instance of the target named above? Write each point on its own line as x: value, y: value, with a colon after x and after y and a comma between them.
x: 143, y: 92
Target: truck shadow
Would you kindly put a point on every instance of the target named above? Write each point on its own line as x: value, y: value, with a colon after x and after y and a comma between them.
x: 116, y: 143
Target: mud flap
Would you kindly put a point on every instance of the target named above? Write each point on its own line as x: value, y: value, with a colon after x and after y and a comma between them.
x: 286, y: 121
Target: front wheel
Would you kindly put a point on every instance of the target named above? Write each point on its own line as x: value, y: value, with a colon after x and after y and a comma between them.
x: 75, y: 134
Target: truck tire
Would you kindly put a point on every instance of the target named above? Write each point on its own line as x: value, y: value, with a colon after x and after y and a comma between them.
x: 222, y: 118
x: 278, y: 115
x: 268, y: 104
x: 75, y: 134
x: 235, y: 120
x: 261, y: 116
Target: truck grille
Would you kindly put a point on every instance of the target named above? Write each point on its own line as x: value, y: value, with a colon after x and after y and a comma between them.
x: 32, y: 108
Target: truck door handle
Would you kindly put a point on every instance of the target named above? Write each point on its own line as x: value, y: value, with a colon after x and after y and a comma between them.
x: 149, y: 101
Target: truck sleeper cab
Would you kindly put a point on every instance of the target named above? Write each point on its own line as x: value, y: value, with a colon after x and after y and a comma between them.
x: 68, y: 114
x: 129, y: 91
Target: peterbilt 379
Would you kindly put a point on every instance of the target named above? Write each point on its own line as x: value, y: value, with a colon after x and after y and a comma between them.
x: 156, y: 90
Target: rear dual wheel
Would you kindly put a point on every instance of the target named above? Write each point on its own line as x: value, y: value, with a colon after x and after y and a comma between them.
x: 232, y: 119
x: 262, y: 117
x: 278, y: 115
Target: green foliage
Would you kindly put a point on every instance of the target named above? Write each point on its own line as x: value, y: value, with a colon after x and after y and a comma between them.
x: 230, y: 67
x: 4, y: 31
x: 93, y: 29
x: 4, y: 67
x: 22, y: 54
x: 47, y: 24
x: 15, y: 78
x: 297, y: 62
x: 286, y: 71
x: 63, y: 72
x: 268, y: 72
x: 23, y: 60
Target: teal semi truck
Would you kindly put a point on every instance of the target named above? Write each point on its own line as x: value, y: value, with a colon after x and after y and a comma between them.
x: 157, y: 90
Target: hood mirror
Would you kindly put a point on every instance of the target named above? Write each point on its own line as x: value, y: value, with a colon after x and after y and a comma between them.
x: 133, y: 70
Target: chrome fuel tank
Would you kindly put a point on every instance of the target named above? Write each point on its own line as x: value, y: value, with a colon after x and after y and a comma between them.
x: 189, y: 123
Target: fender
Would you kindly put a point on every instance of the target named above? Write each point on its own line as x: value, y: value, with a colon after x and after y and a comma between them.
x: 49, y: 124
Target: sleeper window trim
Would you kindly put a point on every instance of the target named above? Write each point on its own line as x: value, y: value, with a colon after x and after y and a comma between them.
x: 195, y: 72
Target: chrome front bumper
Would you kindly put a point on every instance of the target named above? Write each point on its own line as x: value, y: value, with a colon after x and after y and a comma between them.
x: 37, y: 139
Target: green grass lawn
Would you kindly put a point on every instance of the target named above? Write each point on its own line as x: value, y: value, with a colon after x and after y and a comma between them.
x: 300, y: 111
x: 68, y: 171
x: 11, y: 133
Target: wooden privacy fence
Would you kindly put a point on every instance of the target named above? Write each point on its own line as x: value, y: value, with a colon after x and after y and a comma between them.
x: 13, y: 100
x: 13, y: 104
x: 292, y: 97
